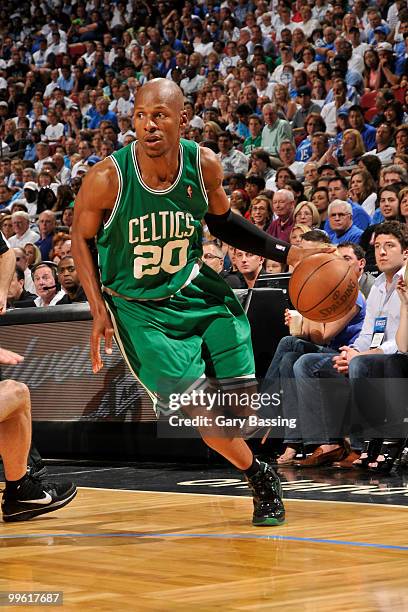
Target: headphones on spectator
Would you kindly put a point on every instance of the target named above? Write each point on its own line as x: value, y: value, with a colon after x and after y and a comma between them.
x: 51, y: 265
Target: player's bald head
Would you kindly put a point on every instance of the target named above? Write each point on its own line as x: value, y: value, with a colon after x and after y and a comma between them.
x: 161, y: 91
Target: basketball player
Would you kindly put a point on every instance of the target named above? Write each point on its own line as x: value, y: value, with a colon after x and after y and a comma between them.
x: 145, y: 204
x: 25, y: 496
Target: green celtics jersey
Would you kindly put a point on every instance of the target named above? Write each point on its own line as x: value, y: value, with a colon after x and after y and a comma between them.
x: 150, y: 245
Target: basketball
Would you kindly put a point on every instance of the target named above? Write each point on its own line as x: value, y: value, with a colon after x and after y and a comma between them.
x: 323, y: 287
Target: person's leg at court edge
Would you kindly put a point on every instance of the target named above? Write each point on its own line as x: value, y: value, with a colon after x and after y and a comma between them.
x: 24, y: 496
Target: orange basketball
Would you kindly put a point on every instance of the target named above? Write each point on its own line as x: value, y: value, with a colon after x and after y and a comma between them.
x: 323, y: 287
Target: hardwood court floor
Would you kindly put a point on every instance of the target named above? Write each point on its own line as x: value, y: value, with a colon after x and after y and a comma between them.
x: 127, y: 550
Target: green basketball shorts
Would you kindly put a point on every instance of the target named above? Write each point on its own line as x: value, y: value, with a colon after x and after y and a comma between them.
x: 169, y: 344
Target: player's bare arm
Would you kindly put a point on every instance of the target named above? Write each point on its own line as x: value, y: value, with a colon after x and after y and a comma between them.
x: 7, y: 267
x: 93, y: 204
x: 236, y: 230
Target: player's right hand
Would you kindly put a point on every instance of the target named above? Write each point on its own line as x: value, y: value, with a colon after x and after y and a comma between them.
x: 288, y: 317
x: 10, y: 358
x: 101, y: 328
x: 297, y: 254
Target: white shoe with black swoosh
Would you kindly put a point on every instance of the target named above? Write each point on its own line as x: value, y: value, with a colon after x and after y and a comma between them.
x: 34, y: 497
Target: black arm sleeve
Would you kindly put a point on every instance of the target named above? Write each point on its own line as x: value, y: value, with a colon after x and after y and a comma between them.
x: 242, y: 234
x: 3, y: 245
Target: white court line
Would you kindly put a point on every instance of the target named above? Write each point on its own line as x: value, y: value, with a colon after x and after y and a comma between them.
x: 86, y: 471
x: 318, y: 501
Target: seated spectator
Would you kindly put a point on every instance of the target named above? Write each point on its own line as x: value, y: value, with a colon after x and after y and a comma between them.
x: 254, y: 185
x: 298, y: 230
x: 5, y: 196
x: 354, y: 254
x: 372, y: 164
x: 33, y: 254
x: 310, y: 238
x: 22, y: 232
x: 313, y: 123
x: 330, y: 109
x: 351, y: 149
x: 282, y: 176
x: 239, y: 201
x: 22, y: 263
x: 363, y: 190
x: 319, y: 148
x: 340, y: 217
x: 283, y: 206
x: 232, y: 160
x: 17, y: 296
x: 287, y: 153
x: 253, y: 141
x: 403, y: 201
x: 306, y: 213
x: 69, y: 281
x: 260, y: 212
x: 66, y: 248
x: 389, y: 209
x: 393, y: 174
x: 46, y: 284
x: 275, y: 130
x: 401, y: 138
x: 383, y: 139
x: 6, y: 226
x: 46, y: 224
x: 306, y: 108
x: 357, y: 122
x: 58, y: 240
x: 260, y: 164
x: 338, y: 190
x: 356, y: 359
x: 249, y: 267
x: 280, y: 98
x: 102, y: 114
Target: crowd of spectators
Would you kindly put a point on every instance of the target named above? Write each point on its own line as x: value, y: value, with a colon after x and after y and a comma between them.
x: 305, y: 103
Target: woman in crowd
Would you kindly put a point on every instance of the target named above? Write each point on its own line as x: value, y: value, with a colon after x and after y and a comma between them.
x: 283, y: 102
x: 299, y: 43
x: 403, y: 202
x: 324, y: 74
x: 372, y: 164
x: 282, y: 176
x: 352, y: 148
x: 295, y: 237
x: 307, y: 214
x: 168, y: 61
x: 363, y: 190
x: 260, y: 212
x: 239, y: 201
x: 33, y: 254
x: 394, y: 113
x: 308, y: 59
x: 57, y: 242
x: 6, y: 226
x: 400, y: 159
x: 211, y: 131
x: 372, y: 74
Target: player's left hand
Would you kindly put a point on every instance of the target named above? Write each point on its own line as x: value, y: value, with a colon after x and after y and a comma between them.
x: 102, y: 327
x: 10, y: 358
x: 296, y: 254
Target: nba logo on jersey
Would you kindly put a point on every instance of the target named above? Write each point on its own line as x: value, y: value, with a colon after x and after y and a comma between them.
x: 190, y: 191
